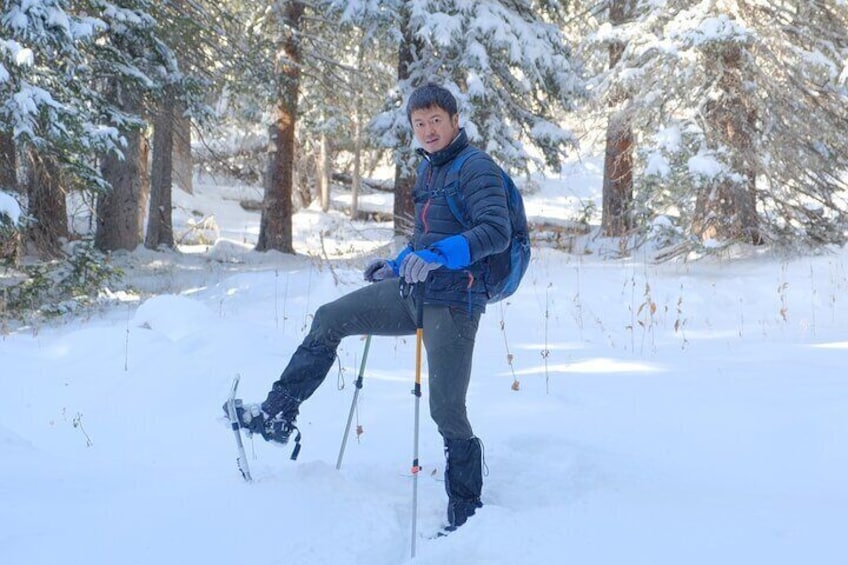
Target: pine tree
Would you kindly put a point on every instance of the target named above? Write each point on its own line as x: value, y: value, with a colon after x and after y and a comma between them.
x: 48, y: 108
x: 297, y: 72
x: 740, y: 111
x: 617, y: 192
x: 275, y: 230
x: 507, y: 62
x: 142, y: 80
x: 134, y: 63
x: 189, y: 29
x: 346, y: 90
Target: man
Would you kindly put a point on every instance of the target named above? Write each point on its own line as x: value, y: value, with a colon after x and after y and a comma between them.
x: 446, y: 260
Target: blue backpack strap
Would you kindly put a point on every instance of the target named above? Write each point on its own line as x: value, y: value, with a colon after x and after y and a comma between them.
x: 453, y: 196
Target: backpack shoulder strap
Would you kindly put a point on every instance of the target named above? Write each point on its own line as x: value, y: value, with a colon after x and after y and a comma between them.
x: 453, y: 196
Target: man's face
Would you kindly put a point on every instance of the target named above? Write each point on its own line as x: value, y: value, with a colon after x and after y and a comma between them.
x: 434, y: 128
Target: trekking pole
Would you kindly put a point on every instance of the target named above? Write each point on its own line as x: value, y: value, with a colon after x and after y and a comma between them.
x: 419, y: 339
x: 358, y: 384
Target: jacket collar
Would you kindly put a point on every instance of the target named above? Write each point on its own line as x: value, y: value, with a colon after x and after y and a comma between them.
x: 447, y: 154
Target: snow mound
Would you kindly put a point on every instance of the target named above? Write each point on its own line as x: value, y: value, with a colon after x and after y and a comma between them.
x: 176, y: 317
x: 227, y: 251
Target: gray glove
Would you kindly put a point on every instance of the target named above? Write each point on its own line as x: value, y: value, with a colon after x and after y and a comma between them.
x: 378, y: 270
x: 416, y: 266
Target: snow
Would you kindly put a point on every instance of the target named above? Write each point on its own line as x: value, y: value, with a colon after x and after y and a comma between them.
x: 16, y: 19
x: 684, y: 412
x: 27, y: 102
x: 56, y: 18
x: 443, y: 28
x: 657, y: 164
x: 819, y: 63
x: 24, y: 57
x: 669, y: 139
x: 699, y: 28
x: 9, y: 208
x: 705, y: 165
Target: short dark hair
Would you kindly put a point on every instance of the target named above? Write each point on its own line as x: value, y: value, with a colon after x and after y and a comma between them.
x: 428, y: 96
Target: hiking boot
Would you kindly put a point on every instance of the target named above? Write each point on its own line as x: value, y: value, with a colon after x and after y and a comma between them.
x: 252, y: 418
x: 278, y: 429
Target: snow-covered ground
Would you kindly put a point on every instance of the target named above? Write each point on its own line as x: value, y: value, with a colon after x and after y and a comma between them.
x: 675, y: 413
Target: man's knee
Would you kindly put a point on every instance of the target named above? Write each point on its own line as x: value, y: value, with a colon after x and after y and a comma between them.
x: 322, y: 329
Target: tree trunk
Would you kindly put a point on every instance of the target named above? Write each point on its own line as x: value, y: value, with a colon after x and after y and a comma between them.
x: 160, y: 229
x: 8, y: 163
x: 324, y: 171
x: 275, y: 229
x: 726, y: 209
x: 404, y: 206
x: 47, y: 205
x: 120, y: 210
x: 356, y: 186
x: 183, y: 165
x: 187, y: 58
x: 617, y: 195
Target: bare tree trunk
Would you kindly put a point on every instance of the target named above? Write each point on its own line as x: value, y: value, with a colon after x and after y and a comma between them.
x: 120, y: 211
x: 356, y: 187
x: 305, y: 173
x: 275, y: 230
x: 47, y: 205
x: 324, y: 171
x: 183, y: 165
x: 617, y: 196
x: 11, y: 241
x: 8, y: 163
x: 726, y: 209
x: 404, y: 206
x: 160, y: 229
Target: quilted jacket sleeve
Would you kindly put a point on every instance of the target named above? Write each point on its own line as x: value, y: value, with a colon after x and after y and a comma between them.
x: 486, y: 208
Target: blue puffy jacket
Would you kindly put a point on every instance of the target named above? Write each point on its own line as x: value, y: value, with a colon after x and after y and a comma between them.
x: 482, y: 192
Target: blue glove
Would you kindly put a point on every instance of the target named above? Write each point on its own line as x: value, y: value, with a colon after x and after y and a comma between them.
x: 416, y: 266
x: 454, y: 251
x: 378, y: 270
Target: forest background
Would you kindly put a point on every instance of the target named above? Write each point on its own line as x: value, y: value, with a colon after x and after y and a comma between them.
x: 720, y: 122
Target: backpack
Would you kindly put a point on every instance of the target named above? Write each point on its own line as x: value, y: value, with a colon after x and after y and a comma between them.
x: 502, y: 271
